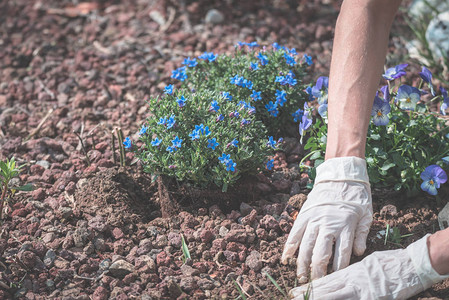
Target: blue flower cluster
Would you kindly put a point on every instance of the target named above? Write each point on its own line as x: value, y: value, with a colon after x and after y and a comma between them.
x: 198, y: 131
x: 228, y: 162
x: 281, y: 97
x: 179, y: 73
x: 169, y: 123
x: 297, y: 115
x: 190, y: 62
x: 241, y: 81
x: 290, y: 60
x: 209, y: 56
x: 168, y: 89
x: 272, y: 108
x: 176, y: 143
x: 250, y: 45
x: 262, y: 58
x: 287, y: 79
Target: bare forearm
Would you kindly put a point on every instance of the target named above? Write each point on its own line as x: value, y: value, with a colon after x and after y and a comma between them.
x: 360, y: 44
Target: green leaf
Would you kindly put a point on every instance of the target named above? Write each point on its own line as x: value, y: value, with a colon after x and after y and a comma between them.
x: 316, y: 155
x: 185, y: 249
x: 387, y: 166
x: 397, y: 187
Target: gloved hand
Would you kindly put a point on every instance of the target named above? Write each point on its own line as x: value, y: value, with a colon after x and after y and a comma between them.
x: 338, y: 209
x: 393, y: 274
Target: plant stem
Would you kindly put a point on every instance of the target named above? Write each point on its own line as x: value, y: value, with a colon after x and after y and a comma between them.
x: 2, y: 199
x: 113, y: 147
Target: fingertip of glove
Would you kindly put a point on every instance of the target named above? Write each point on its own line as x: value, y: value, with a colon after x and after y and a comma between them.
x: 358, y: 251
x: 302, y: 278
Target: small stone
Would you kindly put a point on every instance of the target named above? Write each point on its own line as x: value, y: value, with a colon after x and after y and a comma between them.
x: 121, y: 268
x: 100, y: 294
x: 245, y: 208
x: 214, y: 16
x: 189, y: 271
x: 253, y: 261
x: 187, y: 284
x: 49, y: 258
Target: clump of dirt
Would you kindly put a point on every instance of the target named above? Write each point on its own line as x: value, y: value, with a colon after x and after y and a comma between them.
x: 118, y: 195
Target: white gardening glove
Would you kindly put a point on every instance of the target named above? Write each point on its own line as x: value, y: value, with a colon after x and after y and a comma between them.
x: 393, y: 274
x: 338, y: 209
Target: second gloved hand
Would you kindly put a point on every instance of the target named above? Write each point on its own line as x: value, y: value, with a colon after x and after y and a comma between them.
x: 339, y: 210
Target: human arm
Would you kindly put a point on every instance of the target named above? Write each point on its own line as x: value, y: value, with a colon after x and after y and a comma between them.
x: 339, y: 207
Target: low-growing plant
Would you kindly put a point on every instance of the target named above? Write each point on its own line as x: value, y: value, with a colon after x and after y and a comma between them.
x: 393, y: 235
x: 407, y: 145
x: 278, y: 287
x: 215, y: 127
x: 9, y: 170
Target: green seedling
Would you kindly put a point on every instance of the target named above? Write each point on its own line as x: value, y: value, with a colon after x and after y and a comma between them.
x: 9, y: 170
x: 277, y: 285
x: 185, y: 249
x: 393, y: 235
x: 242, y: 295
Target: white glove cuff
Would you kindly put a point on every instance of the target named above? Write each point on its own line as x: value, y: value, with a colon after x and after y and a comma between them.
x: 350, y: 168
x: 419, y: 254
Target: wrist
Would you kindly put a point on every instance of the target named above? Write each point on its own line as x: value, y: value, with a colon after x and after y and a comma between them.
x: 438, y: 245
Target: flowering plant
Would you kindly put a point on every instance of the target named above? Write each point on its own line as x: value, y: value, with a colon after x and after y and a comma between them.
x: 213, y: 128
x: 407, y: 145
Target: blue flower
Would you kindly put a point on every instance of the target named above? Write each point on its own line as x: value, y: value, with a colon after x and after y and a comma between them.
x: 219, y: 118
x: 426, y: 75
x: 272, y: 108
x: 433, y: 176
x: 280, y: 97
x: 170, y: 149
x: 236, y: 114
x: 386, y: 92
x: 234, y: 143
x: 254, y: 66
x: 322, y: 110
x: 210, y: 56
x: 445, y: 103
x: 319, y: 91
x: 395, y: 72
x: 127, y: 143
x: 224, y: 158
x: 171, y: 122
x: 227, y: 96
x: 214, y: 106
x: 179, y: 74
x: 176, y: 142
x: 248, y: 84
x: 256, y: 95
x: 194, y: 135
x: 306, y: 122
x: 270, y: 164
x: 380, y: 111
x: 200, y: 128
x: 292, y: 51
x: 297, y: 115
x: 212, y: 143
x: 162, y: 121
x: 263, y: 59
x: 206, y: 131
x: 156, y: 142
x: 309, y: 92
x: 308, y: 59
x: 168, y: 89
x: 407, y: 97
x: 290, y: 60
x: 143, y: 130
x: 245, y: 122
x: 230, y: 165
x: 271, y: 142
x: 190, y: 62
x: 276, y: 46
x: 181, y: 101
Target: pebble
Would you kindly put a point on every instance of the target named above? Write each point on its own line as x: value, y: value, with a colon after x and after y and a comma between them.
x: 121, y: 268
x: 214, y: 16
